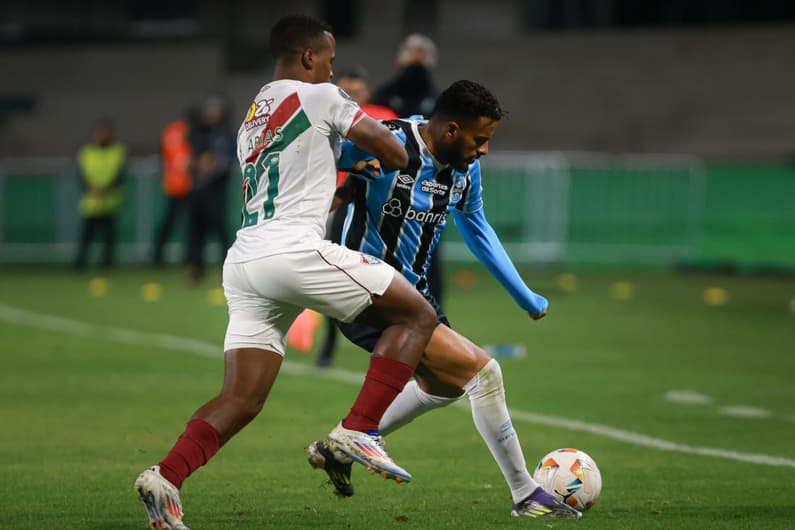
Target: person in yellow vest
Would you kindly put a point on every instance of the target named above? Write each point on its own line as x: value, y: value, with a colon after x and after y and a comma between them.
x: 100, y: 166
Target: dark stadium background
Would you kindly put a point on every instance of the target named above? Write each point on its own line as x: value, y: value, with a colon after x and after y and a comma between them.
x: 643, y: 180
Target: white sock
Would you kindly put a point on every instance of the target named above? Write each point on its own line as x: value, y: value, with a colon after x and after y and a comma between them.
x: 490, y: 412
x: 411, y: 403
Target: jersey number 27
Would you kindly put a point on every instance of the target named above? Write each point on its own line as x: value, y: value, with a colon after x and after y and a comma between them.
x: 267, y: 165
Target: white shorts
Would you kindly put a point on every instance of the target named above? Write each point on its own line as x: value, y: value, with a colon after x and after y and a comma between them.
x: 265, y: 295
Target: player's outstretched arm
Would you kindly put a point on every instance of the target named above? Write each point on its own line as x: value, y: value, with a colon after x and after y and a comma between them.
x: 374, y: 138
x: 483, y: 242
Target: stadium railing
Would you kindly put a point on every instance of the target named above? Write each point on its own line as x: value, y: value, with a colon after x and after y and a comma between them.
x: 593, y: 207
x: 569, y: 207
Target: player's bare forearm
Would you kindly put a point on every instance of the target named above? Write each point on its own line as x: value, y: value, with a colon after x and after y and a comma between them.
x: 390, y: 167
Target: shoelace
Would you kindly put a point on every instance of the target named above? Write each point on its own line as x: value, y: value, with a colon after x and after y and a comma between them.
x: 378, y: 441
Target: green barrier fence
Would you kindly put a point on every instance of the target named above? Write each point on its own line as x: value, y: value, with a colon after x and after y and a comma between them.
x: 573, y: 208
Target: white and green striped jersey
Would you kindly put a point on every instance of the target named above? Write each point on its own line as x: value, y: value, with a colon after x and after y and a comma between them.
x: 287, y: 146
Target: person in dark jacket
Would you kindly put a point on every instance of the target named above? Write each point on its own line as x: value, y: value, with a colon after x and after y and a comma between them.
x: 410, y: 92
x: 213, y: 143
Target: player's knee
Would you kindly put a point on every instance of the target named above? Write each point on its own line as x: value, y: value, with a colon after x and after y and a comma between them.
x: 489, y: 380
x: 251, y: 408
x: 443, y: 392
x: 425, y: 318
x: 471, y: 359
x: 492, y: 372
x: 246, y: 406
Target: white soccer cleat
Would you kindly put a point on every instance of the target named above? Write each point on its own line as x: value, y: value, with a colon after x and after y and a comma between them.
x: 368, y: 450
x: 161, y: 500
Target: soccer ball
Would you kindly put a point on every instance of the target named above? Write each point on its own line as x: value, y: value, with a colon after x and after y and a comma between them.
x: 570, y: 475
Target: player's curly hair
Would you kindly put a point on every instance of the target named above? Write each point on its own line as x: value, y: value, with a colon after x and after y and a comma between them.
x: 295, y: 33
x: 468, y: 100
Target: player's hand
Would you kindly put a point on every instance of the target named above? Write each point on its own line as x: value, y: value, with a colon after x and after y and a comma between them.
x: 538, y: 307
x: 344, y: 193
x: 370, y: 168
x: 539, y: 316
x: 336, y: 202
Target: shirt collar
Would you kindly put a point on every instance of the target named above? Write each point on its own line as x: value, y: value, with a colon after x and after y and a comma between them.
x: 423, y: 147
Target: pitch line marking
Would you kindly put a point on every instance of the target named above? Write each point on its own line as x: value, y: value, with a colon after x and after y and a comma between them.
x: 687, y: 397
x: 691, y: 397
x: 67, y: 326
x: 745, y: 411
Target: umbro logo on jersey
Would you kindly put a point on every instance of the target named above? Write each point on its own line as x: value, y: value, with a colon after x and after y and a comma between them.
x: 405, y: 181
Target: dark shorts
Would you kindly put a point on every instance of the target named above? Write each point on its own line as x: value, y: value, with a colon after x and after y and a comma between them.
x: 365, y: 337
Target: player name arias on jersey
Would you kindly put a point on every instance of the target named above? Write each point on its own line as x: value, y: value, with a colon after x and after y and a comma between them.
x: 286, y: 123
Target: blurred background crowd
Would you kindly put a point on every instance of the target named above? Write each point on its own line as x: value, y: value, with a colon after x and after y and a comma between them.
x: 655, y: 132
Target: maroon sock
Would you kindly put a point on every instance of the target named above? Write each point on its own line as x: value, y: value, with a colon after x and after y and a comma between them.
x: 384, y: 381
x: 193, y: 449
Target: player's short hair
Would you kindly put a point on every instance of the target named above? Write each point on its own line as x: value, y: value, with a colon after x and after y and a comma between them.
x: 296, y: 33
x: 468, y: 100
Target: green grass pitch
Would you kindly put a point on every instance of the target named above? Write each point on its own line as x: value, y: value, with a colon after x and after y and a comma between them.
x: 86, y: 406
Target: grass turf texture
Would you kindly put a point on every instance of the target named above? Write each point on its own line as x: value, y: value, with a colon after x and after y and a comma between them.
x: 83, y: 415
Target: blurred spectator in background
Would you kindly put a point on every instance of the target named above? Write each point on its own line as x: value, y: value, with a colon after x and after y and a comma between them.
x: 410, y: 92
x: 213, y: 142
x: 354, y: 83
x: 100, y: 166
x: 176, y: 152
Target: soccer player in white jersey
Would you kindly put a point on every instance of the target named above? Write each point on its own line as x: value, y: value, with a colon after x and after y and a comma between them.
x: 400, y: 217
x: 280, y: 264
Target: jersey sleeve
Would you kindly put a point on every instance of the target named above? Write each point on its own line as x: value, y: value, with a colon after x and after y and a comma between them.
x: 331, y: 110
x: 472, y: 195
x: 483, y: 242
x: 350, y: 154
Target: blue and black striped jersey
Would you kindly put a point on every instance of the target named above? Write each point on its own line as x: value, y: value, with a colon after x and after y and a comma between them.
x: 400, y: 216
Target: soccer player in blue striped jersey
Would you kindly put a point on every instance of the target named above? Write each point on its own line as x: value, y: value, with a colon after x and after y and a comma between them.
x: 399, y: 217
